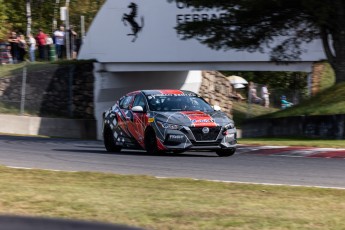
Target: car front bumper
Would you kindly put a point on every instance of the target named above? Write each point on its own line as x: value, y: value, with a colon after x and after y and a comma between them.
x: 188, y: 139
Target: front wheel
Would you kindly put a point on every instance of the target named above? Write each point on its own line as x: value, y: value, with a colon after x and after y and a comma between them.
x: 109, y: 141
x: 226, y: 152
x: 151, y: 142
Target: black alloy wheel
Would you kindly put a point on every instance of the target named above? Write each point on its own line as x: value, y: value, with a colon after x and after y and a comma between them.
x: 109, y: 140
x: 226, y: 152
x: 151, y: 141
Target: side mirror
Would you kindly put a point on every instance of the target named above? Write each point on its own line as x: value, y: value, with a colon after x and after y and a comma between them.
x: 217, y: 108
x: 138, y: 109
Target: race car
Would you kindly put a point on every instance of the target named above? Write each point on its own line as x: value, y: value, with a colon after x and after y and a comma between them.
x: 167, y: 121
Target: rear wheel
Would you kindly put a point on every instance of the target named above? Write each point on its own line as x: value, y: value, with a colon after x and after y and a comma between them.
x: 151, y: 141
x: 226, y: 152
x: 109, y: 141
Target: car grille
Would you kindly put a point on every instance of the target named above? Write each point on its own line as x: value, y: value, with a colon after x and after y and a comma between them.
x: 200, y: 136
x: 206, y: 143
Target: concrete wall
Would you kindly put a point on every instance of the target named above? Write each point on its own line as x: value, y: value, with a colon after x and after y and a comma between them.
x: 325, y: 126
x: 54, y: 90
x: 55, y: 127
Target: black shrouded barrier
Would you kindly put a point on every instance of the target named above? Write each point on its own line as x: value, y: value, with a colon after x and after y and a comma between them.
x: 37, y: 223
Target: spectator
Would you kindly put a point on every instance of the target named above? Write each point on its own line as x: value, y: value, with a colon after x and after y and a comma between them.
x: 6, y: 57
x: 41, y: 42
x: 265, y: 95
x: 253, y: 97
x: 59, y: 36
x: 21, y: 47
x: 13, y: 40
x: 49, y: 41
x: 32, y: 47
x: 284, y: 103
x: 73, y: 42
x: 49, y: 46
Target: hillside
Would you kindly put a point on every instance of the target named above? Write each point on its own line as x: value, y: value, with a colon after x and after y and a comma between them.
x: 242, y: 111
x: 330, y: 101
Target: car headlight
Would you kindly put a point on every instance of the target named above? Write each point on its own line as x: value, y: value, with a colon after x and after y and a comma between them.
x: 229, y: 129
x: 229, y: 126
x: 168, y: 126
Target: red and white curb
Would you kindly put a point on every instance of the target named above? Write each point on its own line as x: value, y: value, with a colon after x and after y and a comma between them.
x: 292, y: 151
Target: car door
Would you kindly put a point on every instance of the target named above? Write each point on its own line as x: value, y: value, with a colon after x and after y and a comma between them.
x: 138, y: 121
x: 125, y: 112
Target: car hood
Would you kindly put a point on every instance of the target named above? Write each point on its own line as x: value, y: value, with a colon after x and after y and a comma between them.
x: 193, y: 118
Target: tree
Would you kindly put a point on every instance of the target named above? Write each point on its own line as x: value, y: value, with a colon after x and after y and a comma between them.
x: 16, y: 13
x: 3, y: 22
x: 251, y: 24
x: 28, y: 16
x: 281, y: 80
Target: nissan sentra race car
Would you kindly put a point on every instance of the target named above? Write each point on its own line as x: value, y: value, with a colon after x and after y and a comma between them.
x: 167, y: 121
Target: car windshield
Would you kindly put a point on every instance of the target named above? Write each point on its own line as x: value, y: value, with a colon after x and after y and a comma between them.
x: 179, y: 102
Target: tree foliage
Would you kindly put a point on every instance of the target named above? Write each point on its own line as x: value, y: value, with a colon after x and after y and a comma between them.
x: 13, y: 13
x: 3, y: 20
x: 277, y: 80
x: 252, y: 25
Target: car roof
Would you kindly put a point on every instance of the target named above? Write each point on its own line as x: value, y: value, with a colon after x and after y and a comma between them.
x: 167, y: 92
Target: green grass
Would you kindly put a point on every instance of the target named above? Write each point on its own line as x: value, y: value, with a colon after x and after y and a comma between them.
x: 14, y: 69
x: 242, y: 111
x: 9, y: 108
x: 294, y: 141
x: 153, y: 203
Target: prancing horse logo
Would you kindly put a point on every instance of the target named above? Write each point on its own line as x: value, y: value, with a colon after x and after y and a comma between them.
x: 130, y: 18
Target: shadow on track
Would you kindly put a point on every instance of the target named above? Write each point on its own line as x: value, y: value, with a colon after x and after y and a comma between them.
x: 137, y: 153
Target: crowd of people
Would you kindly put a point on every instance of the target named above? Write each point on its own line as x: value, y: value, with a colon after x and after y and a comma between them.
x: 41, y: 46
x: 263, y: 100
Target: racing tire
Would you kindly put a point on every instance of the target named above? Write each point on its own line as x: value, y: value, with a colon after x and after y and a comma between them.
x: 151, y: 142
x: 109, y: 141
x: 178, y: 151
x: 226, y: 152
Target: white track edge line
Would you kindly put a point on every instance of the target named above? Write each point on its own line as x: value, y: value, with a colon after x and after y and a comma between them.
x: 221, y: 181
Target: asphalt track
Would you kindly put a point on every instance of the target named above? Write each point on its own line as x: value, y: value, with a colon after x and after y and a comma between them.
x: 263, y: 165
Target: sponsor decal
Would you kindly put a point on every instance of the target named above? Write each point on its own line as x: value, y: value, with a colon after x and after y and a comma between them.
x: 171, y: 95
x: 200, y: 119
x: 131, y: 20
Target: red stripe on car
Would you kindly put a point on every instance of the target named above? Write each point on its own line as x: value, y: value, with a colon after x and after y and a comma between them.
x: 171, y: 91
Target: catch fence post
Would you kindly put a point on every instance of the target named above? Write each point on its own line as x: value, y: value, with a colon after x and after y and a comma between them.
x: 23, y: 92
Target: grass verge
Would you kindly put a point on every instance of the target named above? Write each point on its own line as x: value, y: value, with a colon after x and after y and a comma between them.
x: 154, y: 203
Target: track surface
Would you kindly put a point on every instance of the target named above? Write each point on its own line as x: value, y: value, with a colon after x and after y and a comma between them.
x: 283, y: 165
